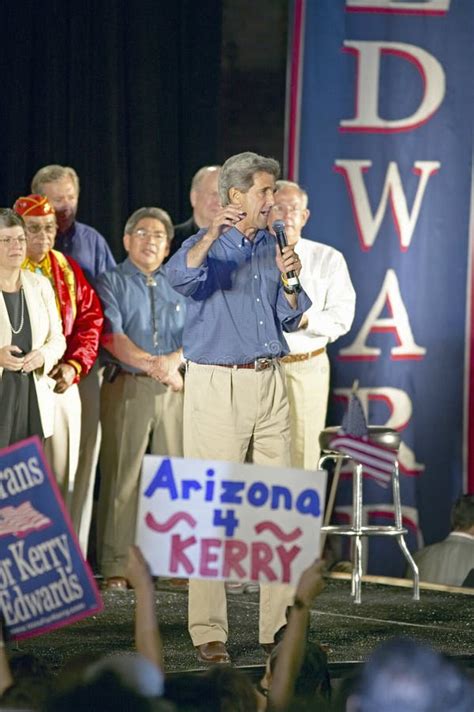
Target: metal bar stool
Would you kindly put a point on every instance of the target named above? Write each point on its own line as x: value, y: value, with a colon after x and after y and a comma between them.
x: 388, y: 438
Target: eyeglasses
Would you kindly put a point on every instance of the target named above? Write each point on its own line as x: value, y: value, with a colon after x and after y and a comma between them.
x: 149, y: 234
x: 279, y: 208
x: 7, y: 241
x: 35, y: 229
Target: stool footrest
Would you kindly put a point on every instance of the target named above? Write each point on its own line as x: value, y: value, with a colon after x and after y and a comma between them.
x: 347, y: 530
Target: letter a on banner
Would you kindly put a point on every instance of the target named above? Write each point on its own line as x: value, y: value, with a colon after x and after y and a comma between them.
x: 398, y: 323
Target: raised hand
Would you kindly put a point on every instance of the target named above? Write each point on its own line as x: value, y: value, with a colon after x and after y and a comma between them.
x: 311, y: 583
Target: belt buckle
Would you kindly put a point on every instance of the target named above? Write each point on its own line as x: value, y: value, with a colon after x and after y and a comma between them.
x: 261, y: 364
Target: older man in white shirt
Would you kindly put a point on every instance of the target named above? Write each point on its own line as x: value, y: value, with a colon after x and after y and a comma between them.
x: 325, y: 278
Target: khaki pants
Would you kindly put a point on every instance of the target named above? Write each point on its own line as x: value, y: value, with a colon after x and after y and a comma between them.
x: 228, y: 414
x: 62, y: 448
x: 135, y: 411
x: 308, y: 390
x: 83, y: 493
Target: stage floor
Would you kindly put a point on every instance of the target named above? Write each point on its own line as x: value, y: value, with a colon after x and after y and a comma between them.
x: 444, y: 620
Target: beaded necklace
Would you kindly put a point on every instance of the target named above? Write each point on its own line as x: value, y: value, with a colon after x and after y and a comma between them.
x: 22, y: 317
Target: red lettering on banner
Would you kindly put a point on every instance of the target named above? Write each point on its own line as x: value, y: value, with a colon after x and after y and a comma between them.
x: 398, y: 323
x: 234, y: 552
x: 368, y: 224
x: 400, y: 409
x: 208, y: 556
x: 426, y: 7
x: 368, y: 54
x: 262, y: 556
x: 286, y: 558
x: 177, y: 555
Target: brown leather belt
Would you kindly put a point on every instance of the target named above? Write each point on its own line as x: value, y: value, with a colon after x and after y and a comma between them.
x: 260, y: 364
x: 293, y: 358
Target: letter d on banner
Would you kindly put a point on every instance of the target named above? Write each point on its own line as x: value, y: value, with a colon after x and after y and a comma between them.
x: 368, y: 82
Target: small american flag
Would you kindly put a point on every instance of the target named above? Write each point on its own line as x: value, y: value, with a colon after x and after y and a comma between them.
x: 377, y: 461
x: 21, y: 520
x: 354, y: 421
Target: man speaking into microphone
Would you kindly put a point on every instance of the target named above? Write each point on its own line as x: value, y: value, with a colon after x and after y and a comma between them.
x: 236, y: 406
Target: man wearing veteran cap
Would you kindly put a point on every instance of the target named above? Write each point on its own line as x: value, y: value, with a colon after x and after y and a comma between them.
x: 82, y: 320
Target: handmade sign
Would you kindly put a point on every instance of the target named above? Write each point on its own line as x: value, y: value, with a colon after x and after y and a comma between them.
x: 222, y: 520
x: 44, y: 581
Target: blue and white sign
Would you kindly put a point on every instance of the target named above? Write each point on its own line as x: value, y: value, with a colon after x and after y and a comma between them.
x: 44, y: 581
x: 223, y: 520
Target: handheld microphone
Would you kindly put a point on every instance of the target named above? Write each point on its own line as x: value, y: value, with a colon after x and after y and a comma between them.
x: 293, y: 285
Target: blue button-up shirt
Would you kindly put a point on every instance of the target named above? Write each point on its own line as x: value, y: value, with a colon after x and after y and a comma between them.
x: 127, y: 302
x: 88, y: 248
x: 236, y: 308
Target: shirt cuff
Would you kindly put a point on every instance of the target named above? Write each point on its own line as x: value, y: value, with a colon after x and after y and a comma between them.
x: 76, y: 365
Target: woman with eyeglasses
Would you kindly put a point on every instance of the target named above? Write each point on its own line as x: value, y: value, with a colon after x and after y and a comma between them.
x: 31, y: 340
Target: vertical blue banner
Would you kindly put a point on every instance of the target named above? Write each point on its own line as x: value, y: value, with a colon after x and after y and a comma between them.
x: 380, y: 134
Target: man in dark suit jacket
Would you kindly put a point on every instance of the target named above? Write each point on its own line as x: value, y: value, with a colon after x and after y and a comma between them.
x: 204, y: 198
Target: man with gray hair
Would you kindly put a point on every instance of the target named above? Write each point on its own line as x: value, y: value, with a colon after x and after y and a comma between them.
x: 60, y: 184
x: 236, y: 407
x: 141, y: 397
x: 326, y: 279
x: 204, y: 198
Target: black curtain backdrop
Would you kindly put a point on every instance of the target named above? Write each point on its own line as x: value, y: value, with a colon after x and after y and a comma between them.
x: 125, y: 92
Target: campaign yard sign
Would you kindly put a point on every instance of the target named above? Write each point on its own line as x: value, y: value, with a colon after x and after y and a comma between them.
x: 44, y: 581
x: 222, y: 520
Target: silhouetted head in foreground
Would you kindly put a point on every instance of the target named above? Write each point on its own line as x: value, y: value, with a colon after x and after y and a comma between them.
x: 403, y: 674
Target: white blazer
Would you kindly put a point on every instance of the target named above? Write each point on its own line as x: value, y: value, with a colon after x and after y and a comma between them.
x: 46, y: 335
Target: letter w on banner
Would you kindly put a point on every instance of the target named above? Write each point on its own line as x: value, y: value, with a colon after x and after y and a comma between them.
x: 380, y: 115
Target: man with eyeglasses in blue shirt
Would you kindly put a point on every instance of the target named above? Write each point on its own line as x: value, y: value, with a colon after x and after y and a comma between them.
x: 236, y: 405
x: 141, y: 397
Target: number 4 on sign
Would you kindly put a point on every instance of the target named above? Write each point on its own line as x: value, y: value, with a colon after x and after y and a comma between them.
x: 226, y: 518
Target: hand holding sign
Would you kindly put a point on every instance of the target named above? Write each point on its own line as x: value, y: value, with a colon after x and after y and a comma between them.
x: 223, y: 520
x: 311, y: 583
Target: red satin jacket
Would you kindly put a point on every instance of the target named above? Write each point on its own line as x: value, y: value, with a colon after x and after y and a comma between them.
x: 80, y: 309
